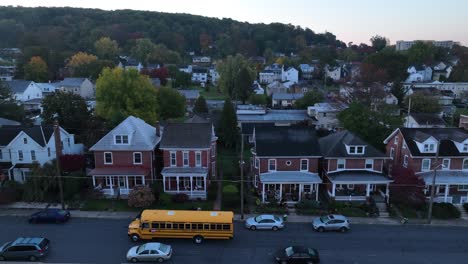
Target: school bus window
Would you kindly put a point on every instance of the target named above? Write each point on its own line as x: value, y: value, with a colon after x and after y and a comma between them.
x: 187, y: 226
x: 206, y: 226
x: 145, y: 225
x: 168, y: 225
x: 218, y: 227
x: 194, y: 226
x: 162, y: 225
x: 213, y: 227
x: 175, y: 226
x: 181, y: 225
x: 200, y: 226
x: 155, y: 225
x: 226, y: 227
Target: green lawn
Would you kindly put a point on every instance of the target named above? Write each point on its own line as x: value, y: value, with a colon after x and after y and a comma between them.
x: 228, y: 163
x: 211, y: 94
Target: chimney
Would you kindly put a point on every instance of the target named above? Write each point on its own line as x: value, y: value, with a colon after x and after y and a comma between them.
x: 158, y: 129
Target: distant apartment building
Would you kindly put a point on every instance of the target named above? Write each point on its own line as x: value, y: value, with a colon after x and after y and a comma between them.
x: 405, y: 45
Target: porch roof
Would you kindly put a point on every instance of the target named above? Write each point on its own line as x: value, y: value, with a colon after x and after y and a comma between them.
x: 358, y: 177
x: 445, y: 177
x: 125, y: 171
x: 290, y: 177
x: 177, y: 171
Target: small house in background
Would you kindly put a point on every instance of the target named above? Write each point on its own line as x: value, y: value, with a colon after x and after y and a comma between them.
x: 285, y: 100
x: 200, y: 75
x: 190, y: 96
x: 419, y: 73
x: 129, y: 63
x: 463, y: 122
x: 326, y: 114
x: 80, y: 86
x: 424, y: 120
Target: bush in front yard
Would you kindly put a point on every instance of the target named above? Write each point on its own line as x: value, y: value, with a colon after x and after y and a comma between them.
x: 311, y: 208
x: 140, y: 196
x: 445, y: 211
x: 465, y: 205
x: 272, y: 208
x: 231, y: 197
x: 180, y: 198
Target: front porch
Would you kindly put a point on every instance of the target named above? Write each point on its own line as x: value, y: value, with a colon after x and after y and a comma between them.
x: 289, y: 186
x: 450, y: 186
x: 113, y: 182
x: 190, y: 181
x: 358, y: 186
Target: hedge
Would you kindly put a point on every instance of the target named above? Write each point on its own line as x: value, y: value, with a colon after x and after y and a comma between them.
x: 445, y: 211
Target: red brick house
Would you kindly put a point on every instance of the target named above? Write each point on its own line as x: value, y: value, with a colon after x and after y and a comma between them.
x: 352, y: 168
x: 417, y: 149
x: 285, y: 163
x: 189, y: 153
x: 125, y: 157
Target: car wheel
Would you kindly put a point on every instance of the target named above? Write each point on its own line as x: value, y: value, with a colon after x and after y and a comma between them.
x: 321, y: 229
x: 2, y: 258
x: 253, y: 228
x: 275, y: 228
x: 160, y: 260
x: 134, y: 260
x: 135, y: 238
x: 32, y: 258
x: 343, y: 230
x: 198, y: 239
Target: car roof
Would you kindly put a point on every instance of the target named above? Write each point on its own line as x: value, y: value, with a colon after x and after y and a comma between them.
x: 152, y: 246
x: 27, y: 240
x: 339, y: 217
x: 267, y: 216
x: 300, y: 249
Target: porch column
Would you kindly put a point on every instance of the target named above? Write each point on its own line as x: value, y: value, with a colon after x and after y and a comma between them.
x: 126, y: 182
x: 94, y: 179
x: 333, y: 189
x: 263, y: 192
x: 367, y: 190
x: 112, y: 184
x: 300, y: 191
x: 204, y: 186
x: 316, y: 191
x: 191, y: 187
x: 446, y: 192
x: 164, y: 183
x: 387, y: 192
x: 281, y: 192
x: 177, y: 180
x: 143, y: 179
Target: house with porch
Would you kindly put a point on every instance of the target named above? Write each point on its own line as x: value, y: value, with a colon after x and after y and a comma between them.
x: 353, y: 169
x: 429, y: 152
x: 189, y: 153
x: 285, y: 163
x: 126, y: 157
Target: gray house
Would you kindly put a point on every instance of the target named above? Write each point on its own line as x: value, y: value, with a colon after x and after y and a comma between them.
x: 80, y: 86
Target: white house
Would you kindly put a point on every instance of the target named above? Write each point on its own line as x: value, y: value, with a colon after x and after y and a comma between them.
x: 80, y: 86
x: 307, y: 71
x: 441, y: 69
x: 457, y: 88
x: 23, y: 90
x: 326, y: 114
x: 186, y: 68
x: 257, y: 88
x: 201, y: 59
x: 199, y: 75
x: 333, y: 72
x: 285, y: 100
x: 290, y: 74
x: 129, y: 63
x: 424, y: 120
x: 276, y: 69
x: 20, y: 147
x: 266, y: 77
x: 47, y: 88
x: 213, y: 75
x: 419, y: 74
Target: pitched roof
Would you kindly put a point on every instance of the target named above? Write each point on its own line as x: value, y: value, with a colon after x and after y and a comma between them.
x: 8, y: 122
x: 197, y: 119
x: 40, y: 134
x: 18, y: 86
x: 445, y: 135
x: 334, y: 145
x: 141, y: 136
x: 187, y: 135
x: 72, y: 82
x: 190, y: 94
x: 285, y: 141
x: 287, y: 96
x: 428, y: 119
x: 272, y: 116
x: 248, y: 128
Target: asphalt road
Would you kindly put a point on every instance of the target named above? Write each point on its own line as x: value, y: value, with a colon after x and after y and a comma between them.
x: 105, y: 241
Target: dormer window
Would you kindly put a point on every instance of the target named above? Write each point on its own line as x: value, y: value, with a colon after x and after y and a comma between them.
x: 121, y: 139
x: 428, y: 147
x: 356, y: 150
x: 465, y: 147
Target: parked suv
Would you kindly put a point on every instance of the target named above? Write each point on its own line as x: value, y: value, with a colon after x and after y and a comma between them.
x: 331, y: 222
x: 30, y: 248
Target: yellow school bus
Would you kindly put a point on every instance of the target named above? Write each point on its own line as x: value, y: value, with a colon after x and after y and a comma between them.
x: 197, y: 225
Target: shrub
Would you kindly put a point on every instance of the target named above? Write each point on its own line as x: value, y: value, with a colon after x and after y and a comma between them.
x: 180, y: 198
x: 230, y: 189
x: 271, y: 209
x: 352, y: 212
x: 311, y: 208
x: 445, y: 211
x: 230, y: 196
x: 165, y: 198
x: 465, y: 205
x: 212, y: 191
x: 140, y: 196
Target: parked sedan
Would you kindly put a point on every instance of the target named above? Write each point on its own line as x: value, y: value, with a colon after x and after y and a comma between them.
x: 331, y: 222
x: 50, y: 216
x: 297, y: 254
x: 270, y: 222
x: 150, y: 252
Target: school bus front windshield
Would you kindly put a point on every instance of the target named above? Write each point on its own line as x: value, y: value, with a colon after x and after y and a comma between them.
x: 197, y: 225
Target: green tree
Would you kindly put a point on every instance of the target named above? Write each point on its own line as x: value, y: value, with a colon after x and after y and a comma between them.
x: 310, y: 98
x: 162, y: 55
x: 228, y: 131
x: 142, y: 49
x: 200, y: 105
x: 36, y: 70
x: 121, y: 93
x: 229, y: 71
x: 258, y: 99
x: 182, y: 79
x: 9, y: 109
x: 171, y: 103
x: 71, y: 109
x: 379, y: 42
x: 372, y: 126
x: 243, y: 85
x: 422, y: 103
x: 421, y: 53
x: 388, y: 63
x: 106, y: 48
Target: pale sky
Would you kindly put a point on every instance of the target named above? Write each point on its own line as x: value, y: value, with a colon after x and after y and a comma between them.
x: 349, y: 20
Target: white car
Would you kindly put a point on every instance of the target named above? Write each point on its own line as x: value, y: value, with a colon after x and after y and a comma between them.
x: 270, y: 222
x: 150, y: 252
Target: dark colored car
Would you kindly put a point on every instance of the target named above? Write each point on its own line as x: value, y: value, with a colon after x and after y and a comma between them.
x: 30, y: 248
x: 50, y: 216
x: 297, y: 254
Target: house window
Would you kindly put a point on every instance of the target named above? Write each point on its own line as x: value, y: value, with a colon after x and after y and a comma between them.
x: 257, y: 162
x: 137, y: 158
x: 213, y: 150
x: 33, y: 155
x: 68, y: 141
x: 405, y: 161
x: 173, y: 158
x: 213, y: 169
x: 392, y: 153
x: 271, y: 164
x: 341, y: 164
x: 109, y: 181
x: 324, y: 114
x: 446, y: 164
x: 350, y: 186
x: 25, y: 140
x: 396, y: 140
x: 404, y: 145
x: 465, y: 164
x: 463, y: 187
x: 198, y: 159
x: 288, y: 163
x: 107, y: 157
x: 356, y: 150
x: 304, y: 165
x: 121, y: 139
x: 465, y: 147
x: 185, y: 158
x: 48, y: 152
x: 20, y: 155
x: 369, y: 164
x: 426, y: 165
x: 428, y: 147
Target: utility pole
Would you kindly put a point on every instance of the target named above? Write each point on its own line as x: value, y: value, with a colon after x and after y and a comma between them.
x: 431, y: 202
x: 242, y: 176
x: 58, y: 153
x: 409, y: 112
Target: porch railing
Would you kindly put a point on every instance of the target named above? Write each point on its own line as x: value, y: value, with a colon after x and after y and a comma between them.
x: 191, y: 195
x: 350, y: 198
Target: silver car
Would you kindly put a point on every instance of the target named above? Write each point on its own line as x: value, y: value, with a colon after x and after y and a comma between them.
x: 150, y: 252
x: 264, y: 221
x: 331, y: 222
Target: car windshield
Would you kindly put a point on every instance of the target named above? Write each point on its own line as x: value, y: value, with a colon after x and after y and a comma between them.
x: 277, y: 219
x: 140, y: 249
x: 61, y: 212
x: 324, y: 219
x: 258, y: 218
x: 289, y: 251
x: 6, y: 244
x: 312, y: 252
x: 164, y: 248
